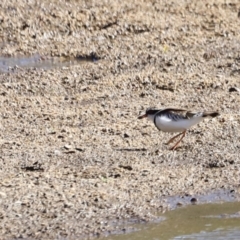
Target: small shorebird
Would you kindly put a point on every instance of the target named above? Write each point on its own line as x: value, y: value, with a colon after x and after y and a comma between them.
x: 175, y: 120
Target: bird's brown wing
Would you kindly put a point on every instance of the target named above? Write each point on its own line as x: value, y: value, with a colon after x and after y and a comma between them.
x: 190, y: 114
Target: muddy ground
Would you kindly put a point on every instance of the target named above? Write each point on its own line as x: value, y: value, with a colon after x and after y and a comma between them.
x: 75, y: 160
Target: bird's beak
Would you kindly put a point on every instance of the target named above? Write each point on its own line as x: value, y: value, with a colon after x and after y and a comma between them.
x: 142, y: 116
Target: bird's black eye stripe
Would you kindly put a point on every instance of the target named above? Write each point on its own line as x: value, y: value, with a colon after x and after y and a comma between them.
x: 151, y: 111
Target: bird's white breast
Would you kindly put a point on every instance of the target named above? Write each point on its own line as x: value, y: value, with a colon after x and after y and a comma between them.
x: 166, y: 124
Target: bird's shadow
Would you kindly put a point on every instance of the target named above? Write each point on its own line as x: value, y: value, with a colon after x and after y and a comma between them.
x: 131, y: 149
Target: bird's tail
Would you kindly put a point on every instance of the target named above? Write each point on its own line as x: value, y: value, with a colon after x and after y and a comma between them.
x: 210, y: 114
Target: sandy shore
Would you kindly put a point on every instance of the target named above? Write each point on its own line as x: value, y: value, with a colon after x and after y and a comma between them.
x: 75, y: 160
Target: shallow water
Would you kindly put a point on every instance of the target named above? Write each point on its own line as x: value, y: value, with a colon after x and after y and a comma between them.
x: 8, y: 64
x: 204, y: 221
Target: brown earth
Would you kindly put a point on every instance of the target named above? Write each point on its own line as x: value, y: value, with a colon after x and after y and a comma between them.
x: 75, y: 161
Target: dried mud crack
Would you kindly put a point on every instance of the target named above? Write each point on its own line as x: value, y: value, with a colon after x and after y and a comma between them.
x: 74, y: 157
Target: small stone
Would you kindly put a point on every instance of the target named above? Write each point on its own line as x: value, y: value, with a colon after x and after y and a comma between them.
x: 179, y: 204
x: 57, y: 152
x: 67, y: 146
x: 79, y: 149
x: 234, y: 89
x: 126, y: 135
x: 193, y: 200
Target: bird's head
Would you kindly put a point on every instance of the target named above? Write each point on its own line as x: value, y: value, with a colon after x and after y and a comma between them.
x: 150, y: 113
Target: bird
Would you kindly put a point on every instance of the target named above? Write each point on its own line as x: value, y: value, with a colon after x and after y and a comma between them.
x: 176, y: 120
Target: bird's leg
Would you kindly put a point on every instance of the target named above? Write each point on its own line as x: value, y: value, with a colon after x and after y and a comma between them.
x: 174, y: 138
x: 175, y: 146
